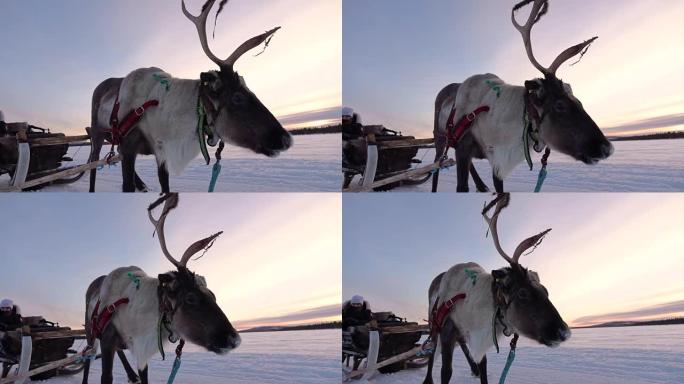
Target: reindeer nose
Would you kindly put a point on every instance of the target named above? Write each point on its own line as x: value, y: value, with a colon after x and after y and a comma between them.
x: 235, y: 341
x: 287, y: 141
x: 607, y: 149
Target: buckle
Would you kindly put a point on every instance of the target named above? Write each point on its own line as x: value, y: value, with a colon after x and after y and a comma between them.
x: 139, y: 111
x: 471, y: 117
x: 110, y: 308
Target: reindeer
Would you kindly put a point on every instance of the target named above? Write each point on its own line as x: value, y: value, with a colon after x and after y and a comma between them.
x: 557, y: 119
x: 147, y: 312
x: 509, y: 300
x: 170, y: 130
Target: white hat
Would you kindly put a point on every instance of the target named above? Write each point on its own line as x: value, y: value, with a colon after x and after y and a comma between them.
x: 357, y: 299
x: 6, y: 303
x: 347, y: 111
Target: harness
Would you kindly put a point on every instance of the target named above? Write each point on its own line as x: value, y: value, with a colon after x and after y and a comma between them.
x: 166, y: 313
x: 500, y: 302
x: 119, y: 129
x: 440, y: 313
x: 99, y: 321
x: 531, y: 123
x: 454, y: 132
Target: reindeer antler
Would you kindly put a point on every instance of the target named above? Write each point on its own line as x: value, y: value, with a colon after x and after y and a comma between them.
x: 200, y: 23
x: 170, y: 201
x: 502, y: 200
x: 539, y: 9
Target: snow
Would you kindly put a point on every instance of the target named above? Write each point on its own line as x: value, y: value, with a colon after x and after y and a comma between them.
x: 312, y: 164
x: 645, y: 355
x: 269, y: 357
x: 636, y: 166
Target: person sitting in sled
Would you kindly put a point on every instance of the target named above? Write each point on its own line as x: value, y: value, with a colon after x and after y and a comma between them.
x: 10, y: 316
x: 356, y: 312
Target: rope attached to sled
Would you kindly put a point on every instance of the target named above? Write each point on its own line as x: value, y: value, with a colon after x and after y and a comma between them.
x: 176, y: 362
x: 216, y: 170
x: 509, y: 360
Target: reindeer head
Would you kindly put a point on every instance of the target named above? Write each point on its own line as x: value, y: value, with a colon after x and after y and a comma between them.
x: 191, y: 306
x: 565, y: 125
x: 519, y: 293
x: 234, y: 112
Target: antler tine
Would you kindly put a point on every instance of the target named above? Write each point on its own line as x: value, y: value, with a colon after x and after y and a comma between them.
x: 197, y: 246
x: 200, y: 23
x: 570, y: 52
x: 539, y: 9
x: 249, y: 45
x: 501, y: 202
x: 170, y: 201
x: 530, y: 242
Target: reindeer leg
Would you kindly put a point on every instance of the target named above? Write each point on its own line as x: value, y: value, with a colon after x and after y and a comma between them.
x: 498, y: 184
x: 163, y: 175
x: 462, y: 168
x: 440, y: 148
x: 428, y: 376
x: 473, y: 365
x: 108, y: 352
x: 483, y: 370
x: 128, y: 171
x: 139, y: 184
x: 143, y: 375
x: 132, y: 376
x: 448, y: 337
x: 96, y: 141
x: 479, y: 184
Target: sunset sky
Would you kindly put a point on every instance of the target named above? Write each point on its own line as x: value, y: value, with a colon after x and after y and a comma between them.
x: 54, y: 54
x: 399, y: 53
x: 278, y: 261
x: 609, y: 256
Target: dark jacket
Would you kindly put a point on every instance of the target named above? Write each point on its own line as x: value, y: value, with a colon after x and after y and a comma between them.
x: 352, y: 316
x: 10, y: 321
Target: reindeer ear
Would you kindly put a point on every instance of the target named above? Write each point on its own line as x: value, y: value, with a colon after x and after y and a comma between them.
x: 500, y: 274
x: 165, y: 278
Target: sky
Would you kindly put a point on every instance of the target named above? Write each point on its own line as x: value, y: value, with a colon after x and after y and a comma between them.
x: 398, y: 54
x: 54, y: 53
x: 277, y: 263
x: 609, y: 256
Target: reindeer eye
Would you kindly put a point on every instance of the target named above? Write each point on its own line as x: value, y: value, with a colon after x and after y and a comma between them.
x: 560, y: 106
x: 191, y: 299
x: 238, y: 99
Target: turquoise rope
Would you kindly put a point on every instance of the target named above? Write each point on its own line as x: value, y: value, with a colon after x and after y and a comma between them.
x: 540, y: 180
x: 507, y: 367
x: 215, y: 172
x: 174, y: 370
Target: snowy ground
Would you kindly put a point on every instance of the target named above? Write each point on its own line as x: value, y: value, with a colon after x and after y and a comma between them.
x: 274, y: 357
x: 636, y: 166
x: 311, y: 165
x: 644, y: 355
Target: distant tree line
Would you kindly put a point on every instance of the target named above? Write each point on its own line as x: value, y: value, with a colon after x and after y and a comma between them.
x: 307, y: 327
x: 665, y: 321
x: 317, y: 130
x: 653, y: 136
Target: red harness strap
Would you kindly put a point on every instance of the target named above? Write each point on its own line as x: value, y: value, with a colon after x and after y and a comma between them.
x: 439, y: 314
x: 120, y: 129
x: 99, y: 321
x: 455, y: 131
